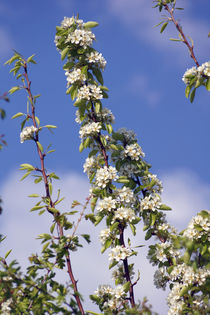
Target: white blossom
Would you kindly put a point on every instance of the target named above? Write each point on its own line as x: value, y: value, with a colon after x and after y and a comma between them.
x: 74, y: 76
x: 96, y: 58
x: 134, y: 151
x: 126, y: 214
x: 105, y: 175
x: 104, y: 235
x: 151, y: 202
x: 119, y: 252
x: 163, y: 250
x: 88, y: 92
x: 192, y: 233
x: 129, y: 135
x: 126, y: 195
x: 128, y: 170
x: 107, y: 204
x: 81, y: 37
x: 189, y: 74
x: 68, y: 22
x: 27, y: 133
x: 5, y: 307
x: 90, y: 129
x: 89, y: 164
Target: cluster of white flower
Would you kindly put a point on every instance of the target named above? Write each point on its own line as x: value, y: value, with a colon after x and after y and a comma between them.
x: 128, y: 170
x: 160, y: 278
x: 90, y: 129
x: 104, y: 235
x: 188, y: 275
x: 157, y: 184
x: 119, y: 252
x: 134, y: 151
x: 126, y: 214
x: 27, y: 133
x: 89, y: 164
x: 81, y: 37
x: 126, y: 195
x: 113, y: 297
x: 5, y: 307
x: 107, y: 204
x: 68, y: 22
x: 174, y: 300
x: 163, y: 250
x: 192, y: 232
x: 96, y: 58
x: 189, y: 74
x: 74, y: 76
x: 167, y: 227
x: 204, y: 69
x: 151, y: 202
x: 88, y: 92
x: 129, y: 135
x: 78, y: 118
x: 105, y: 175
x: 106, y: 116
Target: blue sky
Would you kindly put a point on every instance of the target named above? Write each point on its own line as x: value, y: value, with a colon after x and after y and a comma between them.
x: 144, y: 74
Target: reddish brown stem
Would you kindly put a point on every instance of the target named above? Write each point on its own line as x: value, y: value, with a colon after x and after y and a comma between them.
x: 179, y: 29
x: 125, y: 264
x: 47, y: 191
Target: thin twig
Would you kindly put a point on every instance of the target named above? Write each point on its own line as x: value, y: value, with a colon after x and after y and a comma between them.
x: 179, y: 29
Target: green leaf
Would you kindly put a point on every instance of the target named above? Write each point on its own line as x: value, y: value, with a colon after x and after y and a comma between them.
x: 40, y: 146
x: 163, y: 27
x: 97, y: 107
x: 192, y: 95
x: 38, y: 179
x: 208, y: 84
x: 33, y: 196
x: 50, y: 126
x: 14, y: 89
x: 35, y: 208
x: 45, y: 246
x: 98, y: 75
x: 164, y: 207
x: 37, y: 120
x: 86, y: 237
x: 133, y: 229
x: 113, y: 263
x: 109, y: 128
x: 74, y: 92
x: 114, y: 226
x: 25, y: 175
x: 7, y: 254
x: 90, y: 24
x: 126, y: 286
x: 17, y: 115
x: 52, y: 227
x: 93, y: 203
x: 175, y: 39
x: 64, y: 53
x: 187, y: 91
x: 15, y: 57
x: 81, y: 147
x: 27, y: 166
x: 148, y: 235
x: 30, y: 59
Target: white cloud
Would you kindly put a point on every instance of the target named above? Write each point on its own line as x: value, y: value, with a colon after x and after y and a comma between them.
x: 7, y: 43
x: 141, y: 86
x: 184, y: 191
x: 140, y: 18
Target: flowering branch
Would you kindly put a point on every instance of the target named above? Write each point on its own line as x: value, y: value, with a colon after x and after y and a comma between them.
x: 33, y: 134
x: 195, y: 76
